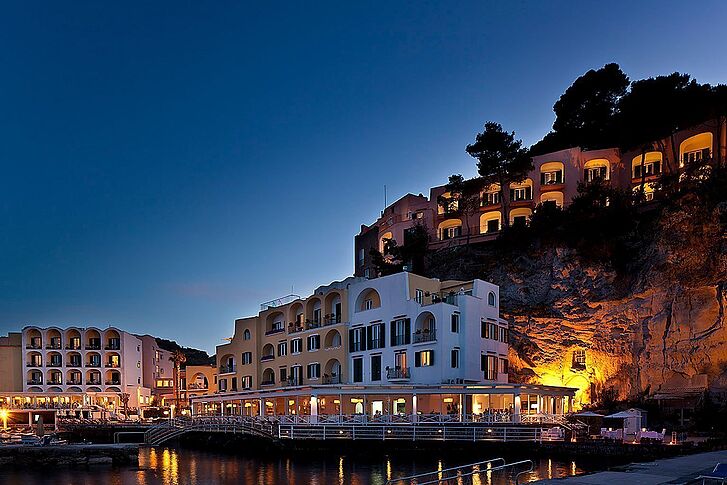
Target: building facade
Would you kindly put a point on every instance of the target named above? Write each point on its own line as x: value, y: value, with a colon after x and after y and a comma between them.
x: 396, y: 345
x: 554, y: 178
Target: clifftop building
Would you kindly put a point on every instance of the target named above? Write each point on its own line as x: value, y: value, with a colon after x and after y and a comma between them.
x: 554, y: 178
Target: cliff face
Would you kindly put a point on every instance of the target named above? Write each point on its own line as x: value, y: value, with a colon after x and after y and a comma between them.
x: 657, y: 323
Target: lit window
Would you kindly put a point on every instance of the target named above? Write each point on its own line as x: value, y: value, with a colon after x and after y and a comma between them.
x: 424, y: 358
x: 419, y: 296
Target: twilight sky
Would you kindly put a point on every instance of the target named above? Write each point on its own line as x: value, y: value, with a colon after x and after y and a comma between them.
x: 168, y: 166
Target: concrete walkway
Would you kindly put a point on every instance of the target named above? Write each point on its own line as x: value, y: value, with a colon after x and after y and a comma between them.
x: 668, y: 471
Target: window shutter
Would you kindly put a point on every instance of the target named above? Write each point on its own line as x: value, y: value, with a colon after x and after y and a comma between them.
x: 483, y: 330
x: 417, y: 359
x: 657, y: 167
x: 350, y: 341
x: 431, y: 357
x: 407, y: 331
x: 528, y: 193
x: 370, y: 344
x: 393, y: 333
x: 483, y: 362
x: 382, y: 335
x: 705, y: 154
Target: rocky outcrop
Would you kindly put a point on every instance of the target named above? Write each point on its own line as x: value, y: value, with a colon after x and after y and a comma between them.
x: 658, y: 321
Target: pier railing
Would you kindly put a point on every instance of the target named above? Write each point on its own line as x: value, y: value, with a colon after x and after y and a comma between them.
x: 466, y: 473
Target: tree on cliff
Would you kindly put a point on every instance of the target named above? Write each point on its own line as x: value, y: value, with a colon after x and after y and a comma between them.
x: 584, y: 114
x: 466, y: 196
x: 502, y: 160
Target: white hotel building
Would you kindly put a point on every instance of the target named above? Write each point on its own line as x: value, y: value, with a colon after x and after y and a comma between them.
x: 83, y: 365
x: 410, y: 349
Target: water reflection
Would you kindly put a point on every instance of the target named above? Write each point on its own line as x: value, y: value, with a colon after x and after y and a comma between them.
x: 169, y: 466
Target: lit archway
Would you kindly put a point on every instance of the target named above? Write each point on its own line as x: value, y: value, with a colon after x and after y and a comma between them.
x: 555, y: 197
x: 652, y: 162
x: 490, y: 222
x: 449, y: 229
x: 520, y: 215
x: 695, y: 149
x: 597, y: 169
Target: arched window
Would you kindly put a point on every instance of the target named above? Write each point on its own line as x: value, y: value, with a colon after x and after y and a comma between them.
x: 695, y: 149
x: 246, y: 334
x: 596, y: 169
x: 491, y: 298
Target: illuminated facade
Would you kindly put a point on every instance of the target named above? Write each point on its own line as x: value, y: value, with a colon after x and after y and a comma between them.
x: 554, y: 178
x: 397, y: 345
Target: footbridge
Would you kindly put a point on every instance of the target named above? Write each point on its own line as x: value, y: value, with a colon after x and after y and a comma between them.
x: 301, y: 428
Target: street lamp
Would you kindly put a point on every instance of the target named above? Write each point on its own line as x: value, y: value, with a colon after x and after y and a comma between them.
x: 4, y: 417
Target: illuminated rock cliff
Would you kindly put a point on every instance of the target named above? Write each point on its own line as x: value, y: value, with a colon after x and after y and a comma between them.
x: 659, y: 322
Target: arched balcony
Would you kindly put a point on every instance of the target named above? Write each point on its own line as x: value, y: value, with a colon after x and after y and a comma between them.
x: 490, y: 222
x: 368, y: 299
x: 333, y: 308
x: 555, y: 197
x: 93, y: 359
x: 385, y: 237
x: 54, y: 359
x: 296, y: 317
x: 332, y: 340
x: 227, y: 364
x: 425, y: 329
x: 34, y: 377
x: 521, y: 191
x: 596, y: 169
x: 552, y: 173
x: 268, y: 377
x: 113, y: 340
x: 520, y: 216
x: 53, y: 339
x: 54, y: 377
x: 74, y: 359
x: 73, y: 339
x: 113, y: 378
x: 93, y: 378
x: 314, y: 312
x: 332, y: 372
x: 490, y: 196
x: 93, y: 339
x: 268, y: 353
x: 647, y: 166
x: 449, y: 204
x: 74, y: 377
x: 113, y: 360
x: 34, y: 339
x: 695, y: 149
x: 449, y: 229
x: 275, y: 323
x: 35, y: 359
x: 198, y: 382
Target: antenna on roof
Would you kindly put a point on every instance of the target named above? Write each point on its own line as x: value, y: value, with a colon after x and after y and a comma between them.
x: 384, y: 196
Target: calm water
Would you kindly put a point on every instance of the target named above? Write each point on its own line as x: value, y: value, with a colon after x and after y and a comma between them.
x: 170, y: 466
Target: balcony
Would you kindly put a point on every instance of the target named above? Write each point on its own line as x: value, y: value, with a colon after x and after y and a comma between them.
x: 266, y: 358
x: 53, y: 347
x: 35, y: 364
x: 55, y: 364
x: 401, y: 339
x: 113, y: 382
x: 421, y: 336
x: 55, y: 383
x: 93, y: 364
x: 331, y: 319
x: 275, y: 331
x: 74, y: 382
x: 197, y: 387
x: 331, y: 379
x: 113, y: 364
x: 73, y: 347
x: 397, y: 373
x: 227, y: 369
x: 113, y: 347
x: 93, y: 382
x: 74, y: 363
x: 93, y: 347
x: 267, y: 383
x: 33, y: 346
x: 35, y: 382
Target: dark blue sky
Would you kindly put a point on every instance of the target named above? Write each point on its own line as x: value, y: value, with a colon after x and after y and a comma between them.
x: 167, y: 166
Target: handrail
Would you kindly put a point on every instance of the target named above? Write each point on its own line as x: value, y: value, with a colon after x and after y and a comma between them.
x: 497, y: 468
x: 413, y: 477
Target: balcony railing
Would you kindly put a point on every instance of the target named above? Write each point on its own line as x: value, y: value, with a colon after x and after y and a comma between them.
x: 331, y: 379
x: 112, y: 364
x: 93, y: 364
x: 332, y: 319
x: 74, y: 382
x: 294, y: 381
x: 267, y: 383
x: 73, y: 347
x: 35, y: 364
x: 55, y: 364
x: 393, y: 373
x: 53, y: 347
x: 75, y: 363
x: 226, y: 369
x: 113, y: 383
x: 197, y: 386
x: 113, y: 347
x: 425, y: 335
x: 93, y: 382
x: 273, y: 331
x: 55, y: 383
x: 33, y: 346
x: 35, y: 382
x: 93, y: 346
x: 266, y: 358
